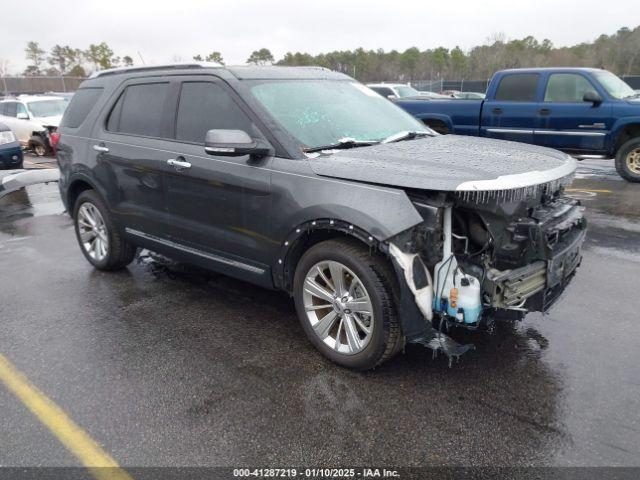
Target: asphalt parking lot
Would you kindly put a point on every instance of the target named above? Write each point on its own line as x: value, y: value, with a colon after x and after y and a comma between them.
x: 164, y: 365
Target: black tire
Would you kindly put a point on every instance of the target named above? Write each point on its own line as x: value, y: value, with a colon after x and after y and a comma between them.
x: 120, y: 253
x: 38, y: 146
x: 377, y: 277
x: 622, y: 165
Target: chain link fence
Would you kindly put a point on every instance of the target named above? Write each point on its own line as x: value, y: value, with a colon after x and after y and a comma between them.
x: 17, y: 85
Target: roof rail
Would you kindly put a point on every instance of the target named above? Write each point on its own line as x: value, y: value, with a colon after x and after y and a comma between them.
x: 150, y: 68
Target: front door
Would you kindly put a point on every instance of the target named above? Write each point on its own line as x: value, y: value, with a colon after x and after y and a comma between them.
x: 566, y: 121
x: 511, y: 112
x: 218, y: 205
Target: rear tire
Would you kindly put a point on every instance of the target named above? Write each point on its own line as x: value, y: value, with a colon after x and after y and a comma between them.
x: 364, y: 276
x: 97, y: 235
x: 628, y: 160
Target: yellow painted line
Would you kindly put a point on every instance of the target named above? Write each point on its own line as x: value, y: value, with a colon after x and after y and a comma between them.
x: 97, y: 461
x: 587, y: 190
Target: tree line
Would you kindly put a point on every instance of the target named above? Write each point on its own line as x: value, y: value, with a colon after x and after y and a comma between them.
x: 619, y: 53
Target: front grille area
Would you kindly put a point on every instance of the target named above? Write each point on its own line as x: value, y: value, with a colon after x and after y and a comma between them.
x: 513, y: 287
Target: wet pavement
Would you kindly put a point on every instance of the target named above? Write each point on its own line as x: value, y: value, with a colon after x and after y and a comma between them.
x: 166, y: 365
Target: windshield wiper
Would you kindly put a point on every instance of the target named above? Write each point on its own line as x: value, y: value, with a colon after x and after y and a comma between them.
x: 633, y: 95
x: 406, y: 135
x: 342, y: 144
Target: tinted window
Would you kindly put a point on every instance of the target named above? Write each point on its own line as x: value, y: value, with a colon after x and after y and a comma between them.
x: 520, y: 87
x: 81, y: 104
x: 207, y: 106
x: 10, y: 109
x: 566, y: 87
x: 2, y: 106
x: 139, y: 110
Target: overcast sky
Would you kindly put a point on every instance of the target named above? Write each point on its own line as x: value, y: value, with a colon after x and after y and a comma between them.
x: 165, y: 31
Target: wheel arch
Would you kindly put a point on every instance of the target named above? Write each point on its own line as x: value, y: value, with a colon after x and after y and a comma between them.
x: 77, y: 185
x: 623, y: 132
x: 310, y: 233
x: 438, y: 120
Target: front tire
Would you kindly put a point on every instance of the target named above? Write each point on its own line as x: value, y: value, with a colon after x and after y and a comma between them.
x: 97, y: 235
x: 38, y: 145
x: 628, y: 160
x: 344, y: 298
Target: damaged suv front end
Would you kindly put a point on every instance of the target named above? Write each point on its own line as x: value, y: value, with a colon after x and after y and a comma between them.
x: 499, y: 237
x: 488, y: 254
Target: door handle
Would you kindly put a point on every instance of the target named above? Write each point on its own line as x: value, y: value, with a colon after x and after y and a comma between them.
x: 179, y: 163
x: 497, y: 111
x: 545, y: 111
x: 100, y: 148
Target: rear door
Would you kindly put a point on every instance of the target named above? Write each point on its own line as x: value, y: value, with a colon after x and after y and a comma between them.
x: 566, y: 121
x: 510, y: 113
x: 130, y: 149
x: 218, y: 205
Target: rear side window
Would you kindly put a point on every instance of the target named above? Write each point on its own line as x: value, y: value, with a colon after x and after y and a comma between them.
x: 567, y: 87
x: 206, y: 106
x: 139, y: 110
x: 10, y: 109
x: 81, y: 104
x: 518, y: 87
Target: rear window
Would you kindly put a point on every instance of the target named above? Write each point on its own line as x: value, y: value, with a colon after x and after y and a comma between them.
x: 81, y: 104
x: 139, y: 109
x: 519, y: 87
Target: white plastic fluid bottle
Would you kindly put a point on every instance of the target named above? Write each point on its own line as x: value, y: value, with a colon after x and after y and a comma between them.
x: 469, y: 303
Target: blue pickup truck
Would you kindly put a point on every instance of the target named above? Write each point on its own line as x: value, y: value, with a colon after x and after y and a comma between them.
x: 582, y: 111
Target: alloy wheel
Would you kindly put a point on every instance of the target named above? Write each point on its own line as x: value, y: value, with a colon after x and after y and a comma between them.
x: 93, y: 232
x: 338, y: 307
x: 633, y: 161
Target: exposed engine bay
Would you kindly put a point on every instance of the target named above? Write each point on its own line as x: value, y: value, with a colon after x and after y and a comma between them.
x: 479, y: 256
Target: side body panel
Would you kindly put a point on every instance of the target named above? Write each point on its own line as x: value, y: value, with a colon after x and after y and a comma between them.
x: 576, y: 126
x: 460, y: 117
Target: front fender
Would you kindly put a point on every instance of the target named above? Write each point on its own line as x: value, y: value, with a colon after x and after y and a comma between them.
x: 618, y: 127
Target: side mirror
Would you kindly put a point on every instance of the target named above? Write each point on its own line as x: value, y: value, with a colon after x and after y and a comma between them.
x: 234, y: 143
x: 392, y: 97
x: 592, y: 97
x: 22, y: 116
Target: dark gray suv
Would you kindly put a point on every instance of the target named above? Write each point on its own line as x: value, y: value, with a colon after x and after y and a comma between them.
x: 304, y: 180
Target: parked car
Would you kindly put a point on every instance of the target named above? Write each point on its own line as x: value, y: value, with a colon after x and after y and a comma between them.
x: 33, y: 118
x: 10, y: 151
x: 428, y: 94
x: 586, y: 112
x: 469, y: 96
x: 304, y: 180
x: 393, y: 91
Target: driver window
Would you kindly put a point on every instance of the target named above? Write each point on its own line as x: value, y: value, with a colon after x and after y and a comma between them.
x: 567, y: 87
x: 205, y: 106
x: 21, y: 109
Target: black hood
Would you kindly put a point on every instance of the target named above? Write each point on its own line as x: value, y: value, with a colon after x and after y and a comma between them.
x: 447, y: 162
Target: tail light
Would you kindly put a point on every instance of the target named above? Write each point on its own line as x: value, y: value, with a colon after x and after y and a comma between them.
x: 54, y: 138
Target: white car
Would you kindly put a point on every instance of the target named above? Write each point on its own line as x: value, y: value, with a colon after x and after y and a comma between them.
x: 393, y: 91
x: 32, y: 118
